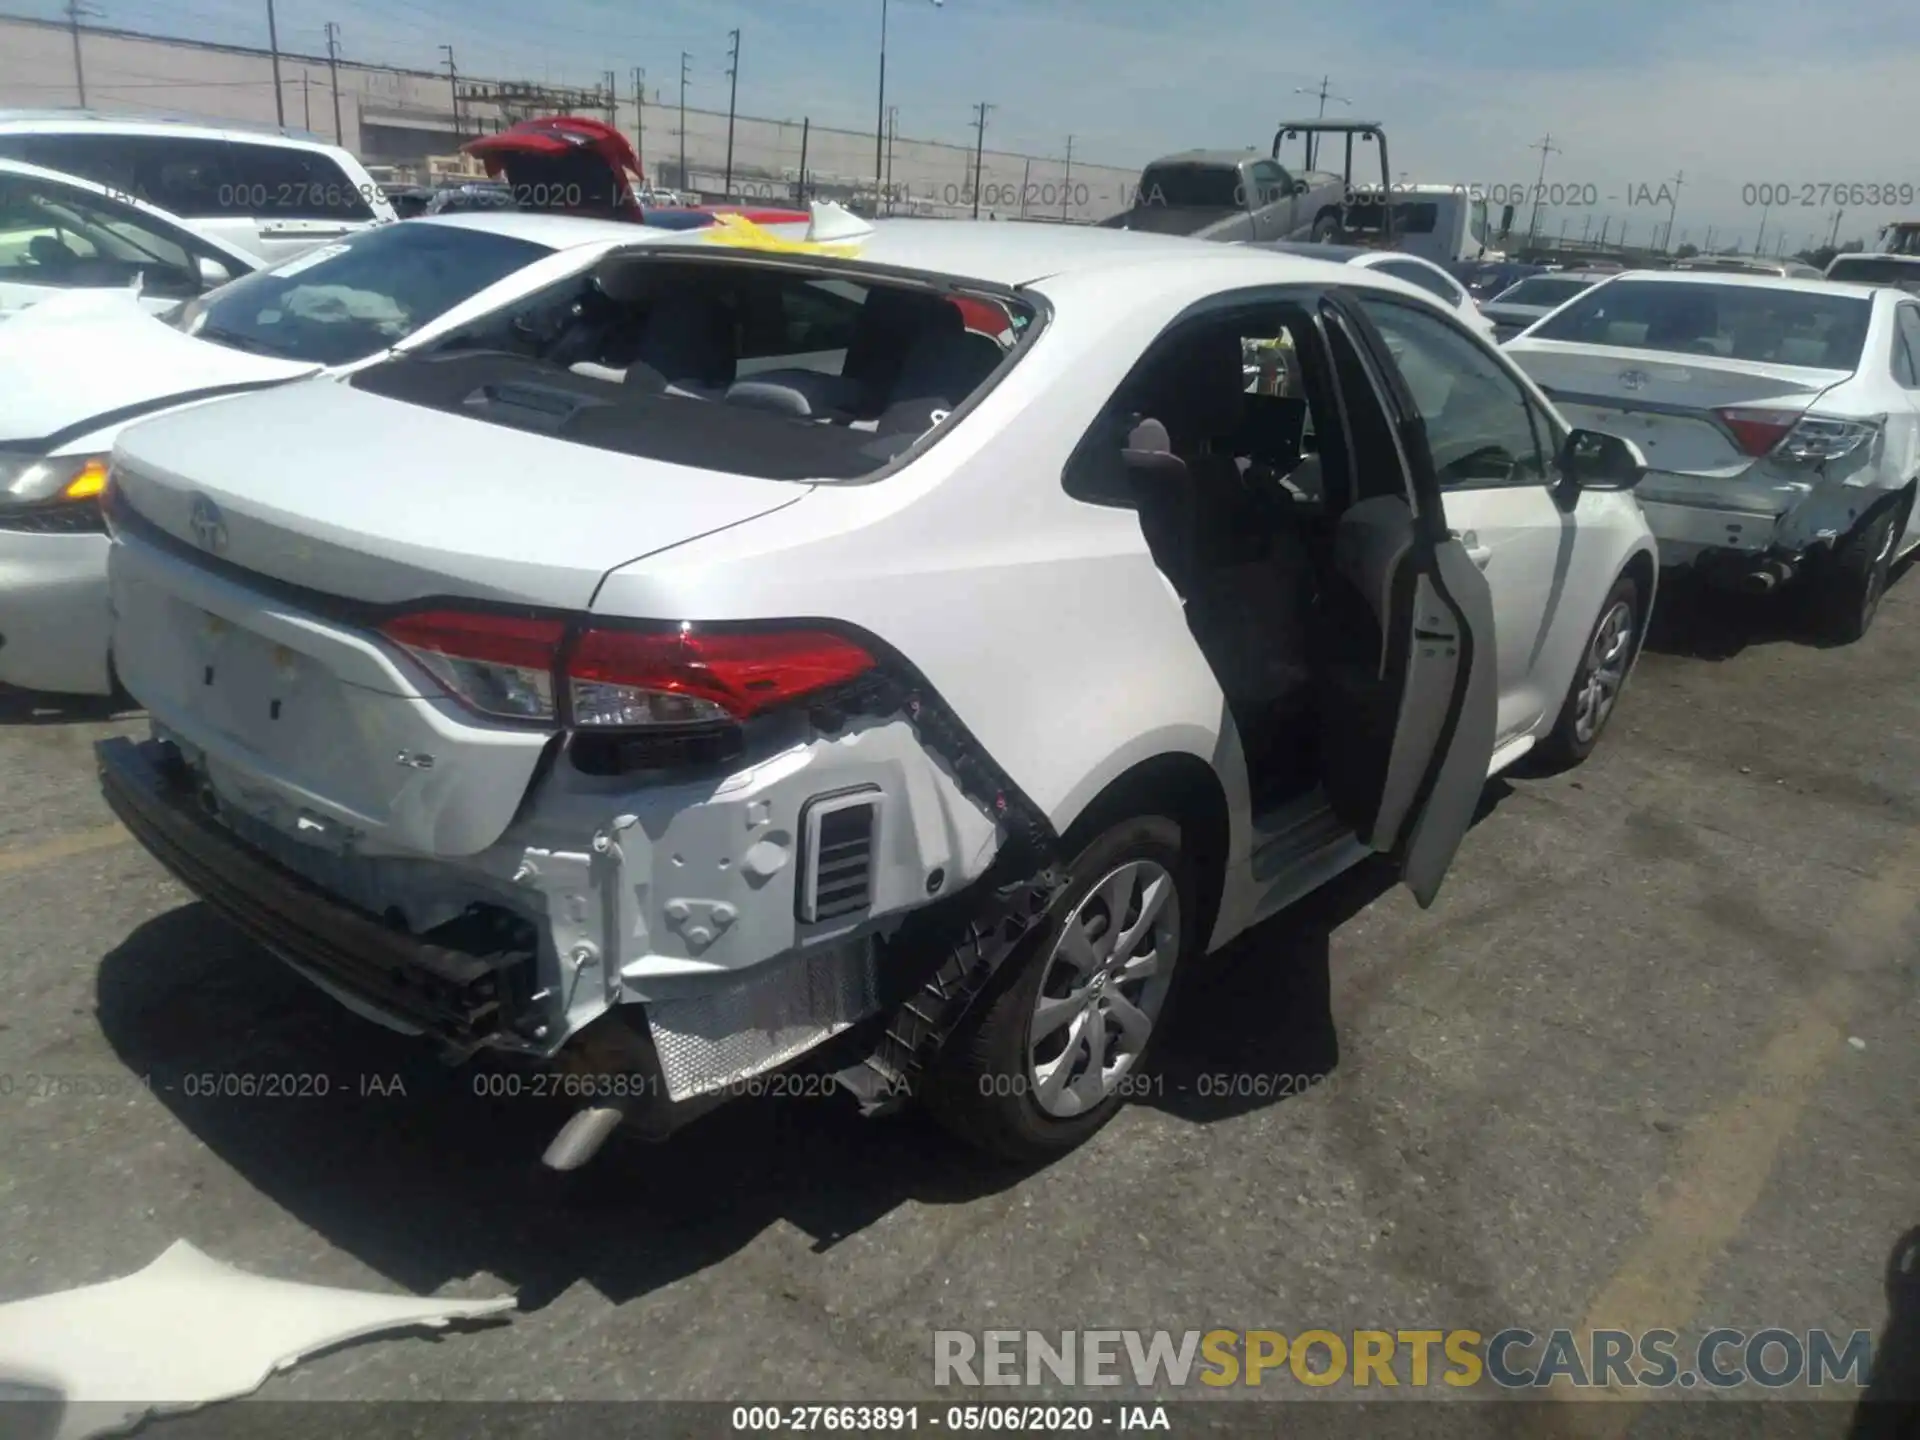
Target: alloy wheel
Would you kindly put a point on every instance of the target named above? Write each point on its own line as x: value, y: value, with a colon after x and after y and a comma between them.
x: 1103, y: 987
x: 1605, y: 671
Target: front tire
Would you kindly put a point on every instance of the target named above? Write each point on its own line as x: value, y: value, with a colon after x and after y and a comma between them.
x: 1056, y: 1045
x: 1855, y: 577
x: 1602, y: 675
x: 1326, y: 229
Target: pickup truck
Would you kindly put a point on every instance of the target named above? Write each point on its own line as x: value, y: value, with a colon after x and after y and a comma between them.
x: 1232, y: 195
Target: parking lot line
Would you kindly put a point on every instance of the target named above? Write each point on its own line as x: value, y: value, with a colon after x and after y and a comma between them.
x: 1729, y: 1153
x: 61, y: 847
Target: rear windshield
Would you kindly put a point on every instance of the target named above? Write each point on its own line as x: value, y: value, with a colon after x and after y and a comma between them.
x: 1543, y: 290
x: 1191, y: 187
x: 343, y: 302
x: 1758, y: 323
x: 759, y: 370
x: 1876, y: 270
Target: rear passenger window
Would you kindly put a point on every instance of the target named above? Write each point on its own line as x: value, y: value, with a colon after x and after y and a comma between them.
x: 819, y: 315
x: 201, y: 179
x: 278, y: 182
x: 1906, y: 347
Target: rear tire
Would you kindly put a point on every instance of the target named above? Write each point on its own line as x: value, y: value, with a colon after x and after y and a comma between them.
x: 1854, y: 578
x: 1326, y: 229
x: 1017, y: 1079
x: 1595, y: 691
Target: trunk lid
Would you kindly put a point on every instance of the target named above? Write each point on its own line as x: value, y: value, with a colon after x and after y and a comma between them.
x: 374, y: 499
x: 302, y: 716
x: 85, y: 359
x: 1669, y: 403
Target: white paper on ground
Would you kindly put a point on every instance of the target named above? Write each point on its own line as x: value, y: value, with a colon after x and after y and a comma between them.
x: 185, y: 1332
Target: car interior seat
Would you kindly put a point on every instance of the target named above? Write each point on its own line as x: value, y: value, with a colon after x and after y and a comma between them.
x: 688, y: 338
x: 1245, y: 571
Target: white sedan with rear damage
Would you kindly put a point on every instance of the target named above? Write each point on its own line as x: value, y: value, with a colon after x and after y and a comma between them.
x: 1780, y: 419
x: 772, y: 659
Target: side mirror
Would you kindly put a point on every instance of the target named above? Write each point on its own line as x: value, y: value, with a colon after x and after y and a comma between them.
x: 1595, y: 460
x: 212, y: 273
x: 1506, y: 221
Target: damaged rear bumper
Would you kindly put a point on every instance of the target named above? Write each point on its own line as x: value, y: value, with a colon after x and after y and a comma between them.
x: 1756, y: 532
x: 464, y: 997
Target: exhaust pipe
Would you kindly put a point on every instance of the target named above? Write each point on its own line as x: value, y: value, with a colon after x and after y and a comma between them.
x: 1767, y: 577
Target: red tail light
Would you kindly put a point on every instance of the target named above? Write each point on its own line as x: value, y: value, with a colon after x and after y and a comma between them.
x: 500, y: 665
x: 1757, y: 431
x: 638, y: 677
x: 510, y: 667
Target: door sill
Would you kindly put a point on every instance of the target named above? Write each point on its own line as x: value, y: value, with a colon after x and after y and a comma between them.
x: 1297, y: 848
x: 1506, y: 754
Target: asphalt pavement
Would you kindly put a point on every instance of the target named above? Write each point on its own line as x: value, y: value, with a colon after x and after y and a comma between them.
x: 1648, y: 1061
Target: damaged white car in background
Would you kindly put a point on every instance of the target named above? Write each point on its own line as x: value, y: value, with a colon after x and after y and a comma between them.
x: 1780, y: 420
x: 769, y: 663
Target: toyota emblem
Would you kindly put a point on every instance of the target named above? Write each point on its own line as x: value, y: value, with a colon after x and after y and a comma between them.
x: 209, y: 529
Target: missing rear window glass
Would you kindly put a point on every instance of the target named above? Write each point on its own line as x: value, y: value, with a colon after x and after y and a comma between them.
x: 776, y: 371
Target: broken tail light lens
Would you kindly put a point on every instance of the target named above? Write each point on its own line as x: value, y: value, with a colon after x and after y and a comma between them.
x: 1794, y: 436
x: 640, y: 678
x: 498, y: 665
x: 1756, y: 429
x: 1825, y: 437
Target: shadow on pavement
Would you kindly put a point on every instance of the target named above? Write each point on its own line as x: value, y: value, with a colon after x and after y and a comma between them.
x: 1701, y: 622
x: 365, y: 1137
x: 37, y: 707
x: 1890, y: 1409
x: 400, y: 1163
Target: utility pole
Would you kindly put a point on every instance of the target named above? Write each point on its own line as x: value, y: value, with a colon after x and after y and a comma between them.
x: 1673, y: 206
x: 1066, y: 187
x: 1760, y: 240
x: 306, y: 99
x: 1833, y: 237
x: 1325, y: 95
x: 733, y: 96
x: 640, y: 120
x: 893, y: 134
x: 806, y: 124
x: 1586, y: 227
x: 273, y: 44
x: 609, y: 78
x: 1708, y: 247
x: 979, y: 149
x: 1546, y: 147
x: 1606, y: 222
x: 684, y: 58
x: 75, y: 9
x: 1026, y: 184
x: 453, y: 88
x: 333, y: 68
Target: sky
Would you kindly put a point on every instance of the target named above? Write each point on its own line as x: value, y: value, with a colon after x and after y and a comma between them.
x: 1743, y: 100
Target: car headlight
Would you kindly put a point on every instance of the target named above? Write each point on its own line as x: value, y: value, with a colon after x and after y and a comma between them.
x: 39, y: 480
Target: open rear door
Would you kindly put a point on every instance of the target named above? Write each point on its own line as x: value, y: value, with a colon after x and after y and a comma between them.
x: 1411, y: 686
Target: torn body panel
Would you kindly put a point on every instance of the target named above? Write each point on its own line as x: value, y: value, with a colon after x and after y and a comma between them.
x: 184, y: 1332
x: 1773, y: 512
x: 679, y: 895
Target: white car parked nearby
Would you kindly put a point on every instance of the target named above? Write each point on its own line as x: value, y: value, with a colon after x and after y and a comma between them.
x: 60, y: 233
x: 821, y: 681
x: 76, y: 370
x: 1423, y: 274
x: 267, y: 192
x: 1781, y: 419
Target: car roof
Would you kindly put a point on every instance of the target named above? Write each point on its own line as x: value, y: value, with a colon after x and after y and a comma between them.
x: 556, y: 232
x: 1233, y: 158
x: 1338, y: 254
x: 1812, y: 284
x: 74, y: 121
